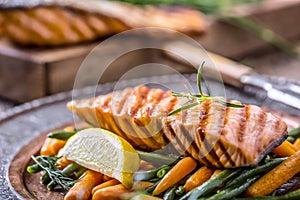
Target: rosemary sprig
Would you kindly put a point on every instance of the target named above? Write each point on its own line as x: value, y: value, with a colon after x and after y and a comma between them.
x: 195, y: 99
x: 55, y: 175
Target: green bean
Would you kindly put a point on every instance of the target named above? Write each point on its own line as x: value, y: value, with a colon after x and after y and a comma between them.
x: 79, y: 172
x: 152, y: 174
x: 154, y: 180
x: 295, y: 132
x: 170, y: 193
x: 235, y: 190
x: 157, y: 159
x: 35, y: 168
x: 51, y: 185
x: 68, y: 170
x: 289, y: 196
x: 254, y: 171
x: 62, y: 135
x: 45, y: 178
x: 162, y: 172
x: 145, y: 175
x: 180, y: 190
x: 291, y: 139
x: 150, y: 189
x: 212, y: 184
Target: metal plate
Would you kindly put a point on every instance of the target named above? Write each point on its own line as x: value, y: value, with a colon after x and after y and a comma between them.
x: 20, y: 125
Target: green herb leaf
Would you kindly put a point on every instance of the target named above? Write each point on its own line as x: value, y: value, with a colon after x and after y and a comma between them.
x: 183, y: 108
x: 196, y: 99
x: 230, y: 104
x: 199, y: 74
x: 55, y: 175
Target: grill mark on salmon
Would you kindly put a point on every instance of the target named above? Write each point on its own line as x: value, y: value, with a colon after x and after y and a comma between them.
x: 201, y: 139
x: 143, y: 117
x: 137, y: 99
x: 242, y: 123
x: 210, y: 132
x: 172, y: 104
x: 125, y: 124
x: 119, y: 109
x: 228, y: 160
x: 174, y: 139
x: 153, y: 100
x: 238, y: 125
x: 192, y: 116
x: 262, y: 119
x: 104, y: 108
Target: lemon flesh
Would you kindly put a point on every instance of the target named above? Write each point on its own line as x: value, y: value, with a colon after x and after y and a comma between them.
x: 105, y: 152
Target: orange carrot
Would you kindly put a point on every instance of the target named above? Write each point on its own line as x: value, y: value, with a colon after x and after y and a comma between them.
x: 111, y: 193
x: 105, y: 184
x: 276, y: 177
x: 62, y: 162
x: 216, y: 172
x: 106, y: 178
x: 69, y: 129
x: 141, y: 185
x: 199, y: 177
x: 286, y: 149
x: 51, y: 146
x: 297, y: 144
x: 83, y: 188
x: 179, y: 171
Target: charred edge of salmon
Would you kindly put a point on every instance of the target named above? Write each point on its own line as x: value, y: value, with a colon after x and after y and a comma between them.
x: 270, y: 147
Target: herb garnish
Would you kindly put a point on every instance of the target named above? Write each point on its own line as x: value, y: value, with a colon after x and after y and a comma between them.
x: 195, y: 99
x: 47, y: 163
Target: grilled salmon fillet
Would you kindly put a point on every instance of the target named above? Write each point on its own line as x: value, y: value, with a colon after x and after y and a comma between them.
x: 213, y: 134
x: 62, y: 22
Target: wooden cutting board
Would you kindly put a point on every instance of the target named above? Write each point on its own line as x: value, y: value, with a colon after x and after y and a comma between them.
x: 27, y: 73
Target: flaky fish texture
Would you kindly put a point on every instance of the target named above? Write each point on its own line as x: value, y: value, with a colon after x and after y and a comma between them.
x: 213, y: 134
x: 62, y: 22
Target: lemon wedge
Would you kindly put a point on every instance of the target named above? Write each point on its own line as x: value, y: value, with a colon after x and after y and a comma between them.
x: 105, y: 152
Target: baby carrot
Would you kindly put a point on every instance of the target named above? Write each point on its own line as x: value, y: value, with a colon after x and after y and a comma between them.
x: 69, y: 129
x: 141, y: 185
x: 105, y: 184
x: 199, y: 177
x: 62, y: 162
x: 179, y: 171
x: 83, y: 188
x: 297, y: 144
x: 106, y: 178
x: 216, y: 172
x: 111, y: 193
x: 286, y: 149
x: 276, y: 177
x: 51, y: 146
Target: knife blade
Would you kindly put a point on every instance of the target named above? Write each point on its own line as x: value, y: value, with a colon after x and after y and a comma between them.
x: 272, y: 92
x: 232, y: 73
